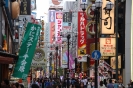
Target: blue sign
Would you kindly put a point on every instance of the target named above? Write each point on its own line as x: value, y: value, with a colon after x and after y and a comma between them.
x: 96, y: 55
x: 50, y: 68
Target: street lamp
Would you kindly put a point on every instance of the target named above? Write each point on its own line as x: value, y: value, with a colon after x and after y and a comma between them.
x: 50, y: 62
x: 96, y: 7
x: 56, y: 48
x: 68, y: 38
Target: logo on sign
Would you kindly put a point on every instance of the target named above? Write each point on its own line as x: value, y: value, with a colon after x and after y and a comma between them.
x: 108, y: 41
x: 56, y: 2
x: 58, y: 15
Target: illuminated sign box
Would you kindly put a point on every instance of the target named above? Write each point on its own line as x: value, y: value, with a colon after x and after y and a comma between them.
x: 113, y: 62
x: 108, y: 24
x: 108, y: 46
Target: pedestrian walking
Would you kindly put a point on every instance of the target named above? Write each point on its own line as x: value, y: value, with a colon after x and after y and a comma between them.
x: 34, y: 86
x: 102, y: 85
x: 110, y: 84
x: 116, y: 85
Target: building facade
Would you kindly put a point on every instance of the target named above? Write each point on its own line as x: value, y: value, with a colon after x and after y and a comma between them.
x: 8, y: 55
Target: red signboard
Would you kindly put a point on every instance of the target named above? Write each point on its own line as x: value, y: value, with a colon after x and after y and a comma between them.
x: 82, y: 35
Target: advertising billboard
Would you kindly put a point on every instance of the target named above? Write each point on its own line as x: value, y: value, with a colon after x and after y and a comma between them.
x: 58, y: 26
x: 82, y: 35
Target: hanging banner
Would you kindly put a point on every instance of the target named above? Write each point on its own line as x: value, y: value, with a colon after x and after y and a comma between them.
x: 58, y: 26
x: 108, y: 24
x: 64, y: 57
x: 51, y: 15
x: 27, y: 50
x: 108, y: 46
x: 71, y: 61
x: 47, y: 33
x: 82, y: 35
x: 52, y: 25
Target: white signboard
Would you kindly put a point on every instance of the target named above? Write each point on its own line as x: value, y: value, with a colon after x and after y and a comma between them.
x: 82, y: 59
x: 108, y: 46
x: 108, y: 25
x: 23, y: 20
x: 58, y: 25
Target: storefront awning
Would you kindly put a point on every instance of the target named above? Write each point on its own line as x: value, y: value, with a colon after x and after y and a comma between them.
x: 6, y: 58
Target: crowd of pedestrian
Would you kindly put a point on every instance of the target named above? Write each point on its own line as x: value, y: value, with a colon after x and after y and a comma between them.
x: 58, y: 83
x: 72, y: 83
x: 6, y: 84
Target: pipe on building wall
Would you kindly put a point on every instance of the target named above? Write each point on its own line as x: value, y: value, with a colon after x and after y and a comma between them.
x: 0, y: 37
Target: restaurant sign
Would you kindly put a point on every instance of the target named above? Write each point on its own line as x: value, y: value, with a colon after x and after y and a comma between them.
x: 107, y: 46
x: 27, y: 50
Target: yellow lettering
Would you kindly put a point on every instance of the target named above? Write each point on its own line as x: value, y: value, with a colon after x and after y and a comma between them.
x: 25, y: 12
x: 25, y: 9
x: 25, y: 5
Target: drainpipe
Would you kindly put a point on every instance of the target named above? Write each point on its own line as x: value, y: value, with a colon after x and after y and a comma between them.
x: 0, y: 38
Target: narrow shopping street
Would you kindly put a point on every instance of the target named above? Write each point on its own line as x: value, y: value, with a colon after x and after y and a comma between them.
x: 66, y: 44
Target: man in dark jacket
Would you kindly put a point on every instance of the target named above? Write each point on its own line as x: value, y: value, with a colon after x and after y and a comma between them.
x: 5, y: 84
x: 34, y: 86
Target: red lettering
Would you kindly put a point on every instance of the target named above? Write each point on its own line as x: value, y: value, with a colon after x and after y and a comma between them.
x: 59, y: 21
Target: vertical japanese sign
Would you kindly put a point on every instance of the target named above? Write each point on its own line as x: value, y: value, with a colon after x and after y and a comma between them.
x: 82, y: 35
x: 24, y: 19
x: 25, y: 8
x: 108, y: 24
x: 52, y: 25
x: 58, y: 26
x: 67, y: 16
x: 108, y: 46
x: 64, y: 56
x: 51, y: 15
x: 27, y: 50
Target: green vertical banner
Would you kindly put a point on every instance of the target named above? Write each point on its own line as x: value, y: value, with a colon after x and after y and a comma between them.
x: 27, y: 51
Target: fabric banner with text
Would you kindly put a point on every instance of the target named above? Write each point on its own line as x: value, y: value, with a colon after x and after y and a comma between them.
x: 27, y: 50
